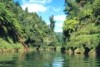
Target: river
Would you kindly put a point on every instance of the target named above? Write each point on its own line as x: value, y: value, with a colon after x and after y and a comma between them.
x: 47, y: 59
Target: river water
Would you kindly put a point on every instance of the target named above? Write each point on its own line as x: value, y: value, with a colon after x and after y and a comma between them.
x: 47, y: 59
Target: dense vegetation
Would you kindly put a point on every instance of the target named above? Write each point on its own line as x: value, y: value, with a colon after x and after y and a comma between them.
x: 20, y: 28
x: 82, y: 25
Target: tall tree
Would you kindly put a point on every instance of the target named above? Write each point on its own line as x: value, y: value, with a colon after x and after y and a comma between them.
x: 52, y: 23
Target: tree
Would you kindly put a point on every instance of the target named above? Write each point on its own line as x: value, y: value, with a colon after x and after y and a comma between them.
x: 20, y: 26
x: 52, y: 23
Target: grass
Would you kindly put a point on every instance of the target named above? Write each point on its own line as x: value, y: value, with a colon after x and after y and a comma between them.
x: 5, y: 44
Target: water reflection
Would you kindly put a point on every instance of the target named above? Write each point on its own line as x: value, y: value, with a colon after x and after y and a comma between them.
x: 98, y: 61
x: 47, y: 59
x: 58, y: 62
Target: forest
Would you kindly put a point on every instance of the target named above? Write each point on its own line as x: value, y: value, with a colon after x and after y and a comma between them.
x: 26, y: 40
x: 82, y: 24
x: 21, y: 29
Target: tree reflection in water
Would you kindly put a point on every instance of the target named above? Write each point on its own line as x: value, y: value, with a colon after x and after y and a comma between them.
x: 47, y: 59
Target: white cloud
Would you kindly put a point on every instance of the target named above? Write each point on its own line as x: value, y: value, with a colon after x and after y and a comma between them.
x: 58, y: 30
x: 48, y: 23
x: 42, y: 1
x: 37, y: 1
x: 60, y: 17
x: 34, y: 7
x: 60, y: 24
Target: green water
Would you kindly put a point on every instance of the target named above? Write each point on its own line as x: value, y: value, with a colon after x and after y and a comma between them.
x: 47, y: 59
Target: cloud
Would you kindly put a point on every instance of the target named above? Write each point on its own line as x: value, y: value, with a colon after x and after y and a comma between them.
x: 59, y: 22
x: 60, y: 17
x: 58, y: 30
x: 37, y: 1
x: 42, y: 1
x: 48, y: 23
x: 58, y: 26
x: 34, y: 7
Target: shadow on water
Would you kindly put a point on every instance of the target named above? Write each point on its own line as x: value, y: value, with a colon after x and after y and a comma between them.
x: 87, y: 50
x: 7, y: 63
x: 63, y: 50
x: 98, y: 61
x: 98, y: 50
x: 8, y: 60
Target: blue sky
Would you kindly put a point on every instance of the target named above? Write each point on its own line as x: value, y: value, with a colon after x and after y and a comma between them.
x: 46, y: 8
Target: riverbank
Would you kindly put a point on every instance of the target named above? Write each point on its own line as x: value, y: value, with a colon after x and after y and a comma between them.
x: 67, y: 52
x: 9, y: 47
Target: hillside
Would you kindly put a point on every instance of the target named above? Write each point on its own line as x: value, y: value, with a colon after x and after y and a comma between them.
x: 22, y: 28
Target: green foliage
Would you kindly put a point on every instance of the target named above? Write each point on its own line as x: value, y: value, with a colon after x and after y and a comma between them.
x: 6, y: 45
x: 86, y: 26
x: 70, y: 24
x: 17, y: 24
x: 96, y: 8
x: 8, y: 23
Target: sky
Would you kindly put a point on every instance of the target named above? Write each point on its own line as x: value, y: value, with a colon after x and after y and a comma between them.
x: 45, y: 9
